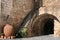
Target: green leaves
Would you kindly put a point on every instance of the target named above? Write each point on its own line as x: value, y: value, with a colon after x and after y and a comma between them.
x: 23, y: 32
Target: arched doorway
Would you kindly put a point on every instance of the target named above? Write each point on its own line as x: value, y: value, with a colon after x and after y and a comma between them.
x: 43, y: 25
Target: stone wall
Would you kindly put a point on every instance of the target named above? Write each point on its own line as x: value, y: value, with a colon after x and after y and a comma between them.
x: 14, y: 11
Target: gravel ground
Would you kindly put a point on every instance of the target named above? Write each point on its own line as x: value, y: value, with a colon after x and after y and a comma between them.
x: 46, y: 37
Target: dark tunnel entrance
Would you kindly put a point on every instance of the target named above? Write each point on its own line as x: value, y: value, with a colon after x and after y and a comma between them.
x: 48, y: 27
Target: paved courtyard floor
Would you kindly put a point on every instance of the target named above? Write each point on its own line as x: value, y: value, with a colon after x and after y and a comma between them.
x: 45, y: 37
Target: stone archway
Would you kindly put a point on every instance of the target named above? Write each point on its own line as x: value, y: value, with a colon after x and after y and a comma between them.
x: 42, y: 22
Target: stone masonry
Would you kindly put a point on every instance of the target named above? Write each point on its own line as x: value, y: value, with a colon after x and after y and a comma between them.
x: 18, y: 9
x: 15, y: 10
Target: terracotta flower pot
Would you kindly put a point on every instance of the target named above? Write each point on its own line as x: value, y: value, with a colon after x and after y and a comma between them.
x: 8, y: 30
